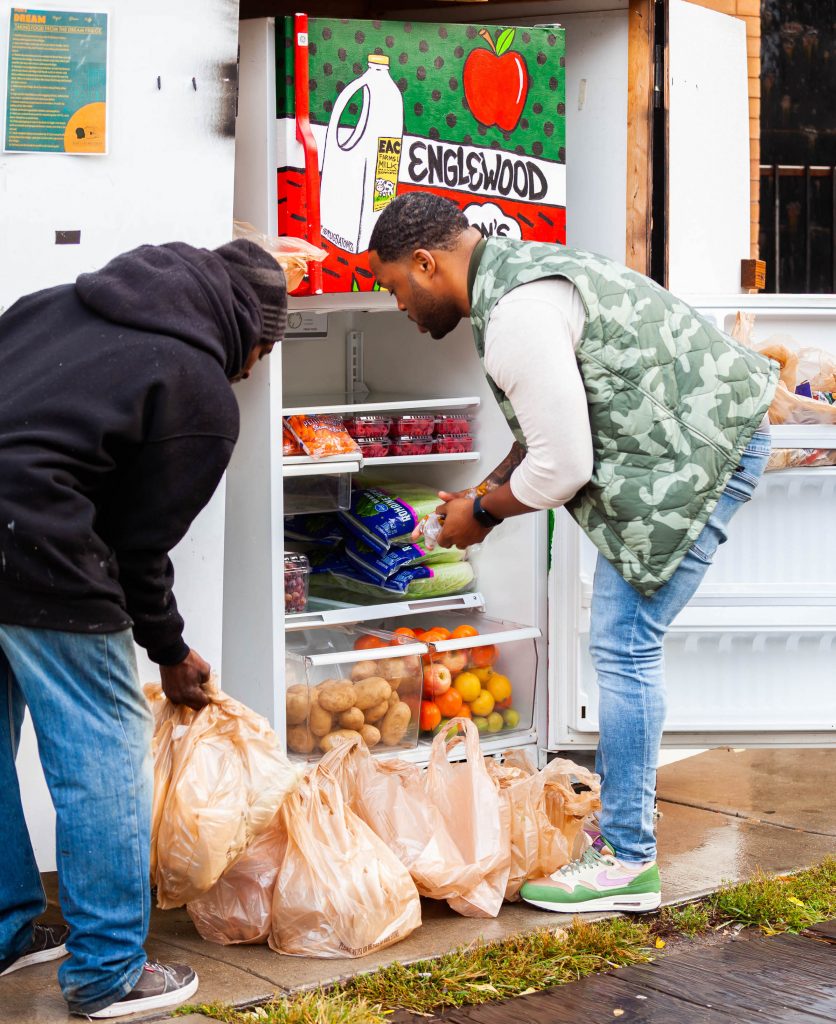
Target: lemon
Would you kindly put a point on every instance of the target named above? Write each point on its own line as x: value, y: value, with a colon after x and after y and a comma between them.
x: 482, y: 674
x: 499, y: 687
x: 483, y: 705
x: 468, y: 685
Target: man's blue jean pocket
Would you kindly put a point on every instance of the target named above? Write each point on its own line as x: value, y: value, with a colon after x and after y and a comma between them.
x: 738, y: 491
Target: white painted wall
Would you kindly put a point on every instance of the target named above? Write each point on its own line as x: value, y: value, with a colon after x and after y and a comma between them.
x: 168, y: 175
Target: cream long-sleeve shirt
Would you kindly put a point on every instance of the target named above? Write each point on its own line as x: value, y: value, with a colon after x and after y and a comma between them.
x: 530, y: 347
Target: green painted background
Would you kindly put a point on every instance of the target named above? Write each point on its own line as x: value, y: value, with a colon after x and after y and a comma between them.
x: 426, y: 62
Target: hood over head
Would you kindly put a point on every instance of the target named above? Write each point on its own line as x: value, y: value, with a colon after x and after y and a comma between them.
x: 188, y: 293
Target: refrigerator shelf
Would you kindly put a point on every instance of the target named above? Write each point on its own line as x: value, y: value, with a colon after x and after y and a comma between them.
x: 302, y: 465
x: 323, y: 612
x: 357, y: 406
x: 804, y: 435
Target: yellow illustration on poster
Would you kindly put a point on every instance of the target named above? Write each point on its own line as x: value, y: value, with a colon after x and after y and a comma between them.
x: 56, y: 100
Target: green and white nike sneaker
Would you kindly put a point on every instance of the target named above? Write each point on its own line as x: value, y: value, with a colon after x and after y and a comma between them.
x: 598, y: 881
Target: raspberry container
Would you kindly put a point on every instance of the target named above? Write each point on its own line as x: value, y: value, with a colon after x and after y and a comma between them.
x: 453, y: 423
x: 420, y: 425
x: 411, y: 446
x: 297, y: 571
x: 453, y: 444
x: 367, y: 426
x: 374, y: 447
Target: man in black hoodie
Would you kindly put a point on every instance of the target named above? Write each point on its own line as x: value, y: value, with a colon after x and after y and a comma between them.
x: 117, y: 422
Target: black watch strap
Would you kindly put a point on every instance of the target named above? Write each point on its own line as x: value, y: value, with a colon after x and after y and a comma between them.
x: 483, y: 517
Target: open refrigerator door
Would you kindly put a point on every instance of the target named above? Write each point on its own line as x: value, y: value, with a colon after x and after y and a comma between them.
x: 749, y: 661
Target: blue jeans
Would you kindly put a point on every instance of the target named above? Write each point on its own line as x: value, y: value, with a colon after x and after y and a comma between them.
x: 626, y: 636
x: 94, y: 739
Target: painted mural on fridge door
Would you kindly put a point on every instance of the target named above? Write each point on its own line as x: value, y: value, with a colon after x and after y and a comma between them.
x: 472, y: 113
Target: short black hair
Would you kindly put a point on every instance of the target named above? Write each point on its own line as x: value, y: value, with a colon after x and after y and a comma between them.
x: 417, y: 220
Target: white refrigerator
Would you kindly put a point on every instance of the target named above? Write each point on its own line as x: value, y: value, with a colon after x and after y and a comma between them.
x: 750, y: 662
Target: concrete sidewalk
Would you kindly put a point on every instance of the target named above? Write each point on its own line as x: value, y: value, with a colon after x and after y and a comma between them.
x: 724, y: 814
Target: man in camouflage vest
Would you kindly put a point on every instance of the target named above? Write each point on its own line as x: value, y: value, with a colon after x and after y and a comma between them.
x: 641, y: 418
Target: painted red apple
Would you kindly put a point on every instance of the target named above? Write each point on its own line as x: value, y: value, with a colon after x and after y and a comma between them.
x: 496, y: 82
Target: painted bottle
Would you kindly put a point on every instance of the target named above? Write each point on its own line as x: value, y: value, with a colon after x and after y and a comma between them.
x: 360, y: 164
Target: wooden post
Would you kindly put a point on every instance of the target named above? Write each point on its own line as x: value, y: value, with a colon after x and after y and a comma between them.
x: 639, y: 134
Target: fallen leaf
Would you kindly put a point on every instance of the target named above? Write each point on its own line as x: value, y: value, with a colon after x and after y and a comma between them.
x: 618, y: 1013
x: 660, y: 943
x: 795, y: 900
x: 527, y: 992
x: 769, y: 931
x: 485, y: 988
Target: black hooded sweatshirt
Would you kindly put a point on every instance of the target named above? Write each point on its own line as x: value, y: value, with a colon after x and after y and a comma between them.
x: 117, y: 422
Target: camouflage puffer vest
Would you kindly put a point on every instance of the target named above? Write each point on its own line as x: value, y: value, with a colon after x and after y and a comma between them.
x: 672, y: 403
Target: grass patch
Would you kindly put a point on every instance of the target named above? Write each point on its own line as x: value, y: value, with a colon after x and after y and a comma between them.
x: 546, y: 958
x: 789, y: 903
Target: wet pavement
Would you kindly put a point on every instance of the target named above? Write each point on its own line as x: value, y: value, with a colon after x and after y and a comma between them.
x: 724, y: 814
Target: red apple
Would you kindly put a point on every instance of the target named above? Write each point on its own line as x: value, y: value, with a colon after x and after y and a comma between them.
x: 437, y: 680
x: 454, y: 660
x: 496, y: 82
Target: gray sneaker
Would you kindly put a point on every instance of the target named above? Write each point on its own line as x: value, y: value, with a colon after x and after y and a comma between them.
x: 48, y: 943
x: 159, y: 985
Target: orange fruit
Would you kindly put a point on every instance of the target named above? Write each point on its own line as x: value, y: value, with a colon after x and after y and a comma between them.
x: 499, y: 687
x: 443, y: 634
x: 483, y: 657
x: 460, y: 632
x: 430, y: 716
x: 449, y: 703
x: 482, y: 674
x: 404, y: 635
x: 368, y: 643
x: 468, y: 685
x: 465, y: 712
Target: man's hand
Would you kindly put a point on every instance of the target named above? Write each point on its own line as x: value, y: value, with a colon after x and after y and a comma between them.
x: 183, y: 683
x: 460, y: 528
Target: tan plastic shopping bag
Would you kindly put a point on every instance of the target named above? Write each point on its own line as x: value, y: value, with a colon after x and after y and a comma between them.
x: 390, y: 798
x: 478, y: 820
x: 340, y: 892
x: 238, y: 908
x: 227, y: 778
x: 546, y: 814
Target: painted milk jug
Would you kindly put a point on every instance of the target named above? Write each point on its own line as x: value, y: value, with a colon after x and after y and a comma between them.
x: 360, y: 162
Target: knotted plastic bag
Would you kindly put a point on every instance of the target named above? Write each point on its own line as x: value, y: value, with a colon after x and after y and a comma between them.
x: 340, y: 892
x: 220, y: 777
x: 476, y: 817
x: 546, y: 814
x: 238, y: 908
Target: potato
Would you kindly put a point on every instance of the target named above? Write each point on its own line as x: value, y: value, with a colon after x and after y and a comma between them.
x: 393, y: 699
x: 336, y: 695
x: 371, y: 691
x: 363, y: 670
x: 297, y: 701
x: 321, y: 722
x: 377, y: 712
x: 395, y: 723
x: 371, y: 736
x: 300, y: 739
x: 337, y: 736
x: 352, y: 719
x: 401, y: 670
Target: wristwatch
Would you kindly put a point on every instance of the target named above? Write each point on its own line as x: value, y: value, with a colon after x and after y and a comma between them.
x: 483, y: 517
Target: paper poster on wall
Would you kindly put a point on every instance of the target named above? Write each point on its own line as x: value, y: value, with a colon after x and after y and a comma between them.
x: 57, y: 82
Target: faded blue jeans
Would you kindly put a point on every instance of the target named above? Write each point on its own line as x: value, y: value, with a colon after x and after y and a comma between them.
x: 626, y: 636
x: 94, y: 739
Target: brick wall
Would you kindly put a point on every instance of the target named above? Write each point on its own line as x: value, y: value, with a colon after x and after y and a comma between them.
x: 750, y: 12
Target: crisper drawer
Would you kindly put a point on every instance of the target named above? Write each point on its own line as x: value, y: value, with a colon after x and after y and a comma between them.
x: 738, y: 677
x: 344, y: 681
x: 478, y: 667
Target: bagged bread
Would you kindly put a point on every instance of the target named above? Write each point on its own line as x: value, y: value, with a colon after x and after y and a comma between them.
x: 221, y: 777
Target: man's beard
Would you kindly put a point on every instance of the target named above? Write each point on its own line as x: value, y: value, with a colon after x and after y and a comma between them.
x: 437, y: 316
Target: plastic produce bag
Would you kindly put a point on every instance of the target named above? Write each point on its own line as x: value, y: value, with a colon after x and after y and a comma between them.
x: 226, y: 778
x: 292, y: 254
x: 797, y: 366
x: 340, y: 892
x: 546, y: 814
x: 383, y: 518
x: 238, y: 908
x: 418, y: 582
x: 476, y: 816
